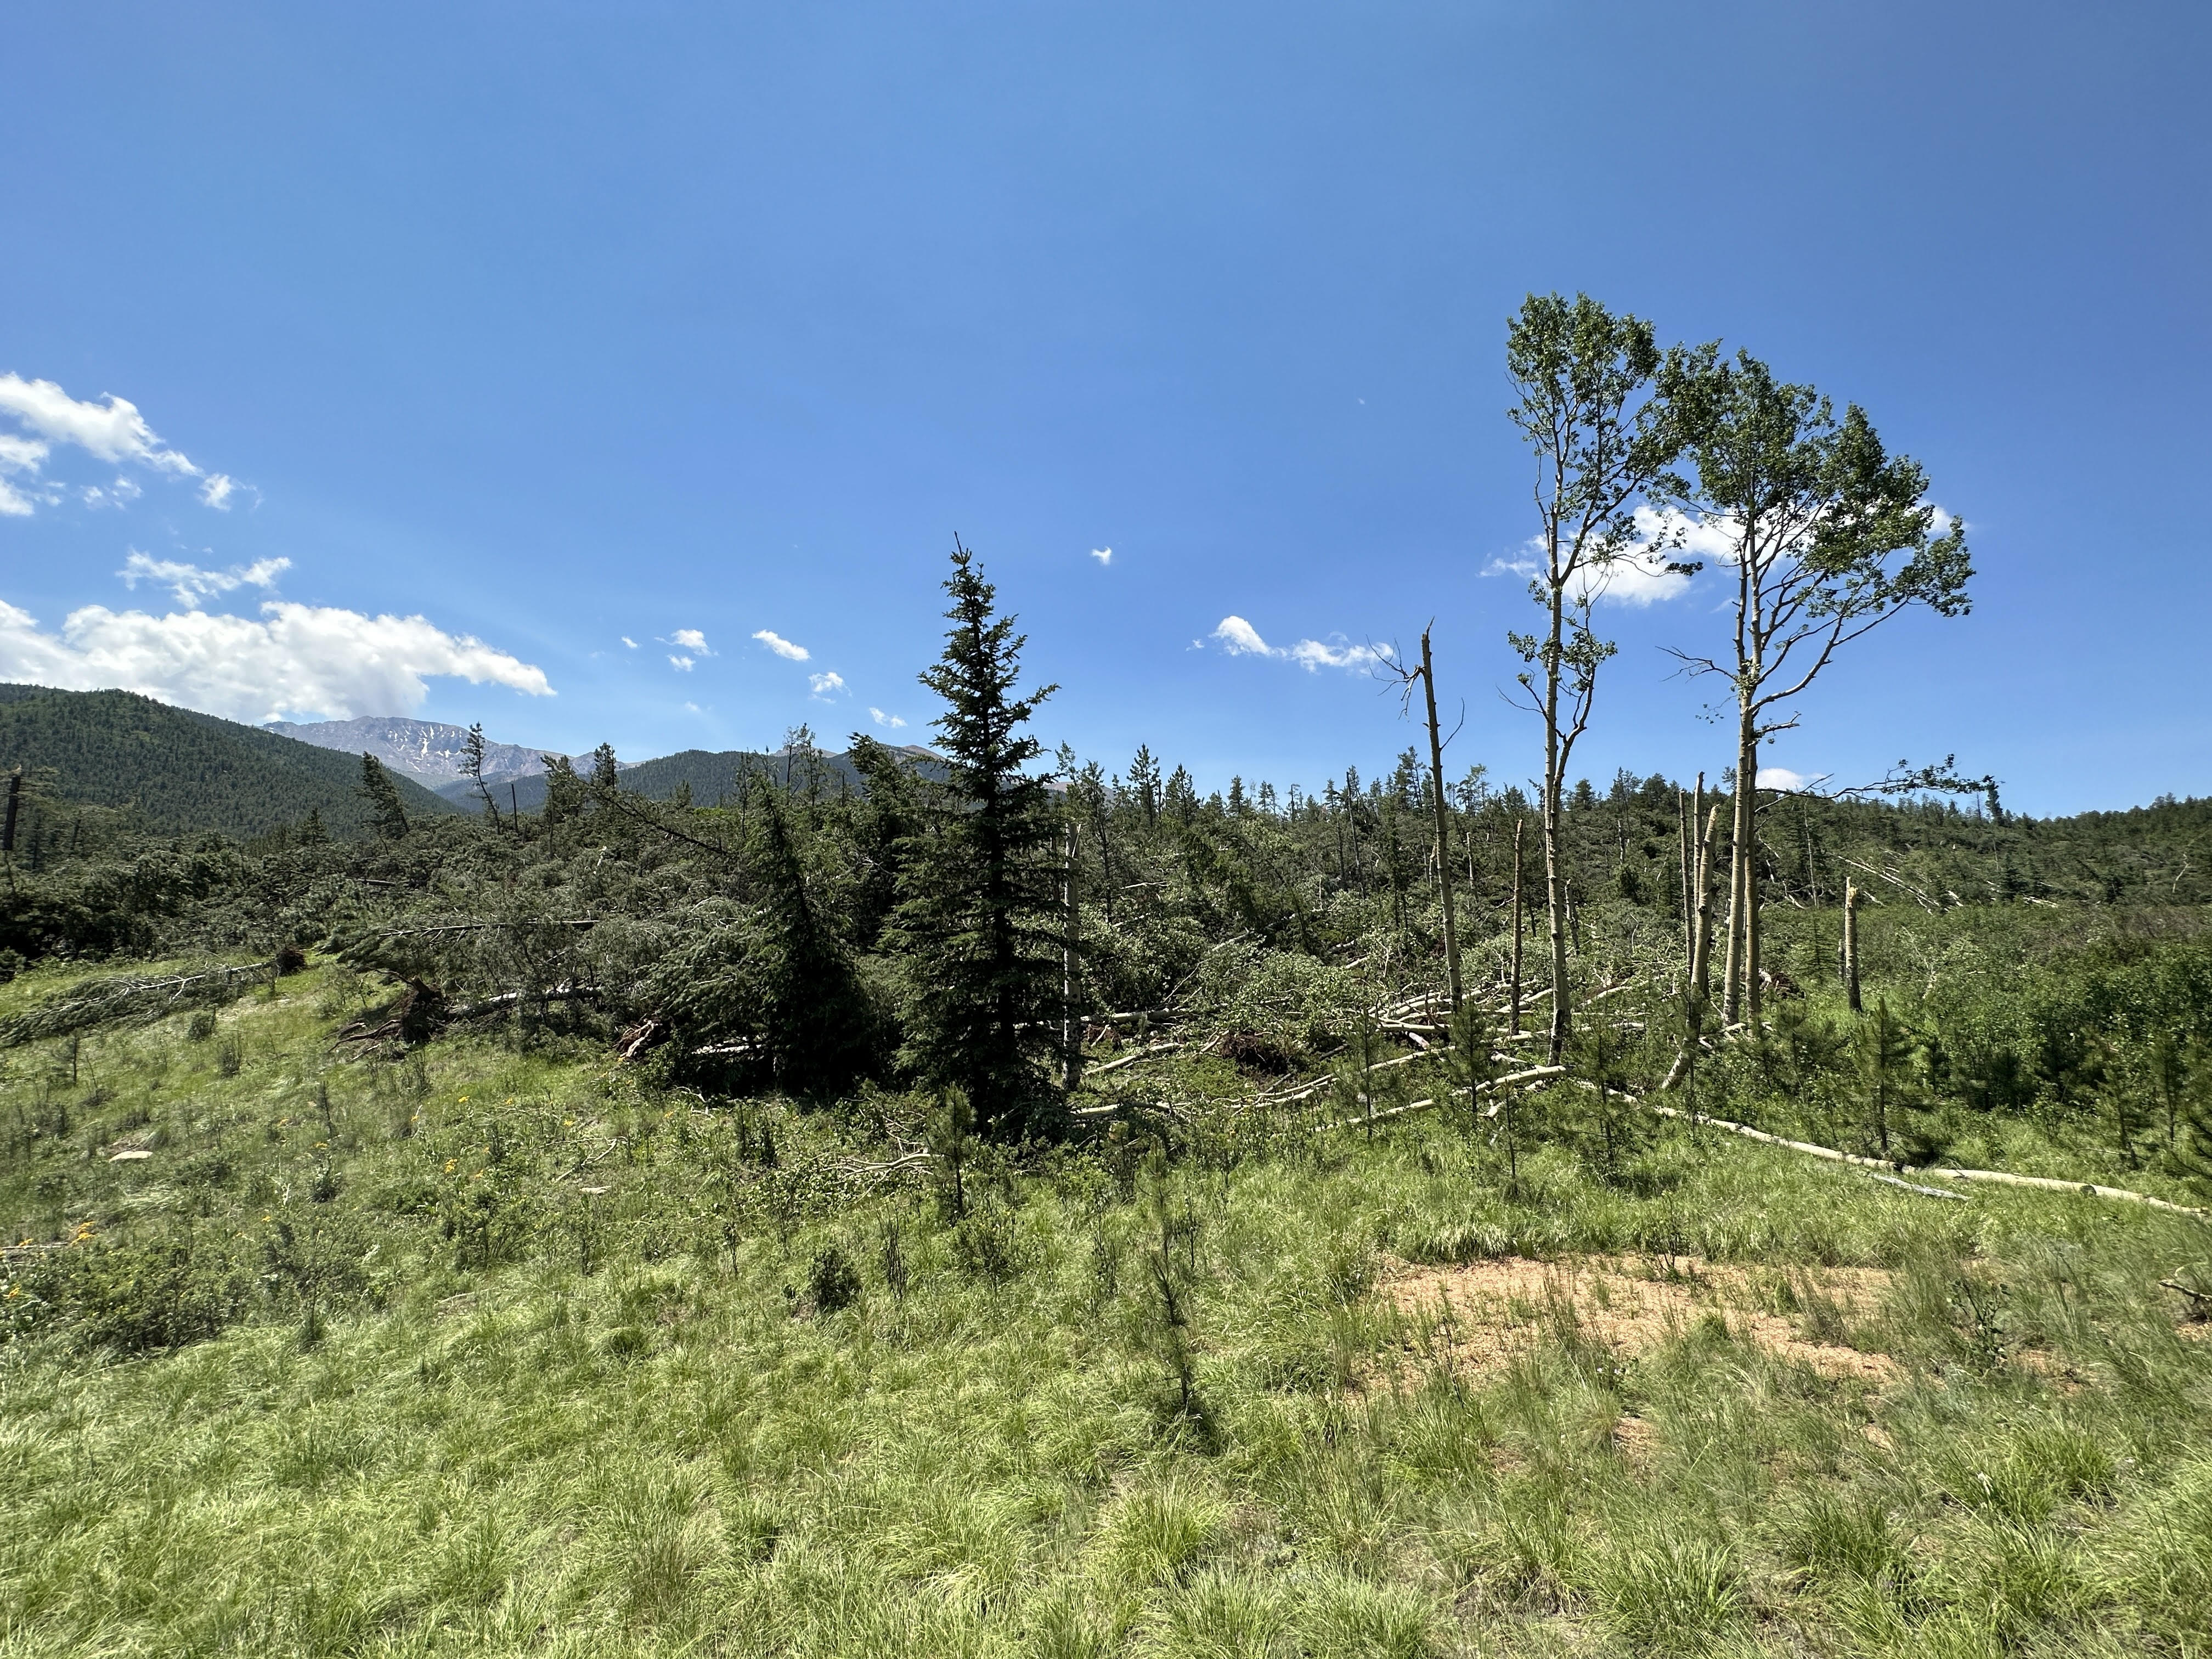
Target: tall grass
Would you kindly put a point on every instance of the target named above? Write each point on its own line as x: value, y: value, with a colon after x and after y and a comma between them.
x: 701, y: 1411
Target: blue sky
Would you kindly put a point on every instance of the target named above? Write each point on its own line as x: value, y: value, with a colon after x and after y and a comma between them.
x: 557, y: 325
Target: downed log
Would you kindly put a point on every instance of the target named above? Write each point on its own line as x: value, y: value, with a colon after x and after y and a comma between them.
x: 1145, y: 1053
x: 492, y: 1005
x: 97, y: 1002
x: 2041, y: 1183
x: 1533, y: 1074
x: 423, y: 1011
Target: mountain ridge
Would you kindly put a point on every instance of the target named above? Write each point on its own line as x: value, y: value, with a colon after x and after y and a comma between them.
x: 430, y: 751
x: 181, y: 772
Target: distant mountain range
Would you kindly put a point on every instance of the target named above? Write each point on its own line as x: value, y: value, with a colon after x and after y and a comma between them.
x: 432, y: 753
x: 426, y: 751
x: 179, y: 772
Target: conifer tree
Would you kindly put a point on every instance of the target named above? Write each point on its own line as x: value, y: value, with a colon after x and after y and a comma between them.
x: 472, y: 758
x: 383, y: 798
x: 564, y: 790
x: 882, y: 824
x: 1145, y: 782
x: 1886, y: 1051
x: 815, y: 1024
x: 978, y: 923
x: 605, y: 775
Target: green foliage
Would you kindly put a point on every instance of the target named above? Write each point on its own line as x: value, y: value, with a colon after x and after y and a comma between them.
x: 978, y: 922
x: 179, y: 773
x: 1886, y: 1052
x: 387, y: 812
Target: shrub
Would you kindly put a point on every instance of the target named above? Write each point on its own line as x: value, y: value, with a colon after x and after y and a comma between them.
x: 159, y: 1293
x: 832, y: 1281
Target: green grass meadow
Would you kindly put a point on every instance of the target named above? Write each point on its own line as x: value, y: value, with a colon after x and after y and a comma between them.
x: 495, y: 1349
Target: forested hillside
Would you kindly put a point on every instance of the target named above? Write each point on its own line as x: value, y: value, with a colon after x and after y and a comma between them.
x: 712, y: 777
x: 170, y: 772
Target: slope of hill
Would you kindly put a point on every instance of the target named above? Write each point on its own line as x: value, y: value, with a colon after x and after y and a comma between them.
x: 711, y: 774
x: 427, y: 751
x: 179, y: 772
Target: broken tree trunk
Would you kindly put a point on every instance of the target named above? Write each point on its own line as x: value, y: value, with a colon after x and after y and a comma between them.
x: 2040, y: 1183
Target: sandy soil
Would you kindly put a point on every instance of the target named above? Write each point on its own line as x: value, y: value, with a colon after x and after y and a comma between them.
x: 1488, y: 1312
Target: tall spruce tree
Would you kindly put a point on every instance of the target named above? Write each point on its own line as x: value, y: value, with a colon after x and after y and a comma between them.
x: 383, y: 798
x: 978, y: 923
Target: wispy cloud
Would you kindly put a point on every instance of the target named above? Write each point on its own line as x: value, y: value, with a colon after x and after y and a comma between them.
x: 1240, y: 638
x: 826, y: 685
x: 193, y: 585
x: 691, y: 646
x: 1104, y: 555
x: 888, y: 722
x: 18, y: 455
x: 1645, y: 573
x: 111, y: 431
x: 627, y: 640
x: 782, y: 648
x: 292, y: 660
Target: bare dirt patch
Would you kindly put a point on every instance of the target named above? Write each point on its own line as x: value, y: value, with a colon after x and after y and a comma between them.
x: 1484, y: 1315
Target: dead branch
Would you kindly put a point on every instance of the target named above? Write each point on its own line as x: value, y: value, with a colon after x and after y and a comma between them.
x: 2041, y: 1183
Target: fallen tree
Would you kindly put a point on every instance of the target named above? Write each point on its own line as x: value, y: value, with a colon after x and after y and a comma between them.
x: 106, y: 1001
x: 1999, y: 1177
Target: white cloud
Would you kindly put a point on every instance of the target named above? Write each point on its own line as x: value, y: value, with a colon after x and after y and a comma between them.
x: 1104, y: 555
x: 191, y: 584
x: 295, y: 661
x: 1240, y: 638
x: 18, y: 454
x: 827, y: 685
x: 1640, y: 575
x: 114, y: 495
x: 890, y: 722
x: 691, y: 645
x: 782, y: 648
x: 1781, y: 777
x: 627, y: 640
x: 1310, y: 654
x: 21, y: 454
x: 112, y: 431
